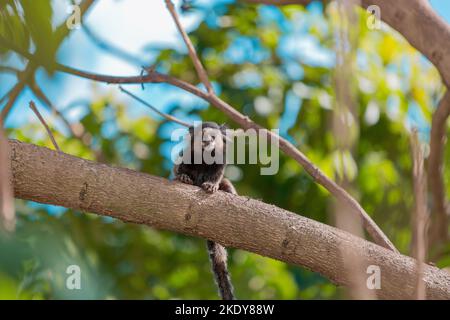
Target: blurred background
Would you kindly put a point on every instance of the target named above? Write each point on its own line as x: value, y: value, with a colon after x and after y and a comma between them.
x: 278, y: 65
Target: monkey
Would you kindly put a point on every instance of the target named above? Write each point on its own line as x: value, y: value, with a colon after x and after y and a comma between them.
x: 196, y: 169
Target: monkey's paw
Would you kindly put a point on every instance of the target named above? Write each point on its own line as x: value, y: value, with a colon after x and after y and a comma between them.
x: 210, y: 187
x: 185, y: 179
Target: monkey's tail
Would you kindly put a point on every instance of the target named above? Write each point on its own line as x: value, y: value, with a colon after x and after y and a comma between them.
x: 218, y: 257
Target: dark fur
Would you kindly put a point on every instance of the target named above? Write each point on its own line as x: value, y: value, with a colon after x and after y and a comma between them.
x: 210, y: 178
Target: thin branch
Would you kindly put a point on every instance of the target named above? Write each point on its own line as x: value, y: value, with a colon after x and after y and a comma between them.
x: 192, y: 53
x: 9, y: 69
x: 420, y: 213
x: 162, y: 114
x: 440, y: 221
x: 233, y: 221
x: 41, y: 119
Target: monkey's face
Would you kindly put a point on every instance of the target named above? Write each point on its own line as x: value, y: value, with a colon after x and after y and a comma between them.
x: 207, y: 140
x: 212, y: 139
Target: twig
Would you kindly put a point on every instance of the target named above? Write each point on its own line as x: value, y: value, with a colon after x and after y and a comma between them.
x: 162, y: 114
x: 9, y: 69
x: 439, y: 224
x: 41, y: 119
x: 192, y: 53
x: 420, y: 213
x: 245, y: 122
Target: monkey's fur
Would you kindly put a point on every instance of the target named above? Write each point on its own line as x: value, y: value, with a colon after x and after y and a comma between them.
x: 212, y: 138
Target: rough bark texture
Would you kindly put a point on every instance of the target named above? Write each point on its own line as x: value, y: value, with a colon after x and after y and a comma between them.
x: 47, y: 176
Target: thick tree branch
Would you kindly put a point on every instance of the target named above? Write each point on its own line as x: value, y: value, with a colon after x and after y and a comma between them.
x: 231, y: 220
x: 439, y: 226
x: 416, y: 20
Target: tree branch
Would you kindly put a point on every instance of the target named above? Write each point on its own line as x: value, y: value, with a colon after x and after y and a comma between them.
x: 230, y: 220
x: 439, y: 226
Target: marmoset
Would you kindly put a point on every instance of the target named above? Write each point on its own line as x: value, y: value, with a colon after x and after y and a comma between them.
x: 203, y: 164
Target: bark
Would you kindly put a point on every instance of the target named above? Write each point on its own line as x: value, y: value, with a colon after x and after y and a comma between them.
x: 52, y: 177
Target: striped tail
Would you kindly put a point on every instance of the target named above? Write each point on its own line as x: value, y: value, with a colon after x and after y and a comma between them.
x: 218, y: 257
